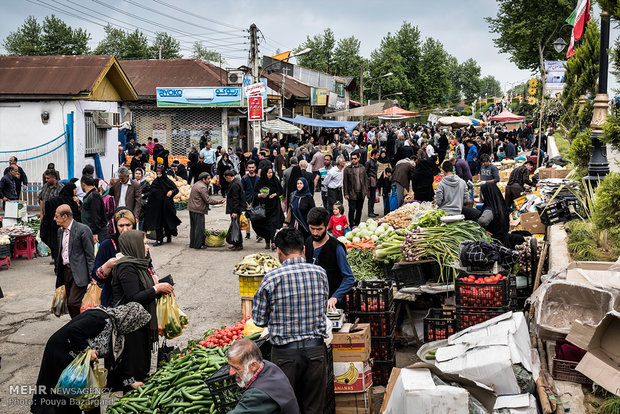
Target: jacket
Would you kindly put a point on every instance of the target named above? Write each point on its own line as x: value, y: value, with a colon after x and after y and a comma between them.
x: 403, y: 173
x: 81, y: 254
x: 93, y: 212
x: 450, y: 194
x: 249, y: 184
x: 199, y: 199
x: 349, y: 175
x: 133, y: 197
x: 7, y: 187
x: 235, y: 198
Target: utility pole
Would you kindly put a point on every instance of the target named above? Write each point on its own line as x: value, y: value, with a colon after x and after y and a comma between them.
x: 160, y: 47
x: 256, y: 125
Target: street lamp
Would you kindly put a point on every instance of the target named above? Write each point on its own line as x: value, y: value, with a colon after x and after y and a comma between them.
x: 559, y: 44
x: 385, y: 75
x: 300, y: 53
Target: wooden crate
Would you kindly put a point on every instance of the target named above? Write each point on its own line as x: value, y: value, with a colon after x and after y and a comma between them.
x: 246, y: 306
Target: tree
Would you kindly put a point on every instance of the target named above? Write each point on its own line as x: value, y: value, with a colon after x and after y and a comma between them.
x: 53, y: 37
x: 490, y: 86
x: 470, y: 79
x: 170, y: 47
x: 518, y: 89
x: 581, y: 75
x: 322, y: 55
x: 526, y: 28
x: 454, y: 75
x: 201, y: 52
x: 409, y: 47
x: 124, y: 45
x: 434, y: 73
x: 346, y: 57
x: 387, y: 58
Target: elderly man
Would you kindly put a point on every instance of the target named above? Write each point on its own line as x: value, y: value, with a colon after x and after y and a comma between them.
x: 75, y: 259
x: 198, y: 206
x: 21, y: 181
x: 266, y: 388
x: 7, y: 185
x: 127, y: 192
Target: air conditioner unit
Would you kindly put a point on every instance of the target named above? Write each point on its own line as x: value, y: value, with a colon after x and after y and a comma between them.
x: 106, y: 119
x: 235, y: 77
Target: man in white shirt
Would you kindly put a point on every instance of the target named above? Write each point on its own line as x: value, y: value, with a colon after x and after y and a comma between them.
x: 333, y: 183
x: 210, y: 156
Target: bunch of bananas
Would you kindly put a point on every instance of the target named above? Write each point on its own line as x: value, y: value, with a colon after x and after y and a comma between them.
x: 348, y: 377
x: 256, y: 264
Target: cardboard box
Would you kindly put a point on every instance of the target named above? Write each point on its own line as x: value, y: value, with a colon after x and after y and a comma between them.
x: 516, y: 404
x: 15, y: 209
x: 504, y: 175
x: 355, y: 403
x: 486, y: 352
x: 544, y: 173
x: 603, y: 275
x: 352, y: 346
x: 413, y: 393
x: 531, y: 222
x: 352, y: 376
x: 602, y: 361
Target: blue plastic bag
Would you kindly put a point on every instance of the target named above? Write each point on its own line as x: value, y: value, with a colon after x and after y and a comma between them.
x: 42, y: 249
x: 82, y: 382
x: 393, y: 199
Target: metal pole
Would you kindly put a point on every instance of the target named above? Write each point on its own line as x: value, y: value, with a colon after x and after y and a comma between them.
x: 379, y: 92
x: 255, y: 125
x: 599, y: 165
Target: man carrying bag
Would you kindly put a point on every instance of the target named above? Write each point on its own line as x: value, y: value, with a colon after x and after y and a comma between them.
x: 235, y: 205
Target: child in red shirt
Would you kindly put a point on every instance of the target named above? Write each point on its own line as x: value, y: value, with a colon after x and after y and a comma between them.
x: 338, y: 223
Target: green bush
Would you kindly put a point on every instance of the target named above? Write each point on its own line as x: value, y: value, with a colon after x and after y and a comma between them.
x: 456, y: 113
x: 582, y: 240
x: 611, y: 131
x: 585, y: 115
x: 579, y: 152
x: 607, y: 202
x: 572, y: 133
x: 466, y: 112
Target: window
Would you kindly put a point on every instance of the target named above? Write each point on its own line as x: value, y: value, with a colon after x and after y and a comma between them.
x: 95, y: 137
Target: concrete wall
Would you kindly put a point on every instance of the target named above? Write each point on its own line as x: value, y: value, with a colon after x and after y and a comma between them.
x: 21, y: 127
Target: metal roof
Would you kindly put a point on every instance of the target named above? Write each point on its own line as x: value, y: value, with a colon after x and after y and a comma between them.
x: 147, y: 75
x: 292, y: 87
x: 59, y: 76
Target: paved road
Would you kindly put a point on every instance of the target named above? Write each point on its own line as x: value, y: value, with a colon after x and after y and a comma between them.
x: 614, y: 159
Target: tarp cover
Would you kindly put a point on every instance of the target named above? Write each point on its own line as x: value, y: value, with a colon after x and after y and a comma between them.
x: 277, y: 125
x: 348, y: 125
x: 507, y: 116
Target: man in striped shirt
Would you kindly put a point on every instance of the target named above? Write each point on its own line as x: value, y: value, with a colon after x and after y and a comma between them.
x: 292, y: 301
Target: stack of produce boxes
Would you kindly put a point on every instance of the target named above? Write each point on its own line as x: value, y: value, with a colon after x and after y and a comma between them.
x: 482, y: 295
x: 375, y: 306
x: 352, y: 373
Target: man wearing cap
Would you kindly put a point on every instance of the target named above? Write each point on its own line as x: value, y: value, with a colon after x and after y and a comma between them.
x: 198, y: 206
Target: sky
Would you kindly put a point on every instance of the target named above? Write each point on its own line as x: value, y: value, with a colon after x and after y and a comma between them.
x: 459, y: 25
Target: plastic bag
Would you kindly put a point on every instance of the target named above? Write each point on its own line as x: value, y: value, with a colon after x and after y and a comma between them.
x: 81, y: 381
x: 168, y: 318
x: 92, y: 297
x: 96, y: 249
x: 59, y: 302
x: 42, y: 249
x: 251, y: 328
x: 234, y: 233
x: 243, y: 222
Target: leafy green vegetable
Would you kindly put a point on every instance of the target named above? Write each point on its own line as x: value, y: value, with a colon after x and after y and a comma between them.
x: 362, y: 264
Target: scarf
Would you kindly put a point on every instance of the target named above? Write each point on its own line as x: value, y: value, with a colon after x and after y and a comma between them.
x: 297, y: 196
x: 492, y: 198
x: 131, y: 245
x: 125, y: 319
x: 273, y: 184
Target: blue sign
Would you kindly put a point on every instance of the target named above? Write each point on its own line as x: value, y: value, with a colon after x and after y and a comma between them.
x: 199, y: 97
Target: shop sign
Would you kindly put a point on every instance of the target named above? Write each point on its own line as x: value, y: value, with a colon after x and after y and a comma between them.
x: 199, y: 97
x: 255, y: 108
x: 319, y: 97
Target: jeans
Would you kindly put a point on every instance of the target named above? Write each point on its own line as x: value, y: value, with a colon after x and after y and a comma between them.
x: 400, y: 194
x: 305, y: 369
x: 355, y: 210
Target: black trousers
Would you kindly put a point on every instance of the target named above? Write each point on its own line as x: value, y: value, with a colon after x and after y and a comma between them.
x: 305, y: 369
x: 334, y: 195
x: 512, y: 192
x: 196, y: 230
x: 355, y: 210
x: 372, y: 191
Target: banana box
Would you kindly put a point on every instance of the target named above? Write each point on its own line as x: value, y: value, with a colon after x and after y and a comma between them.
x: 352, y: 346
x: 352, y: 376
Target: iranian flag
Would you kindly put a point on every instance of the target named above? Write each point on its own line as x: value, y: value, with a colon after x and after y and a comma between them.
x: 579, y: 18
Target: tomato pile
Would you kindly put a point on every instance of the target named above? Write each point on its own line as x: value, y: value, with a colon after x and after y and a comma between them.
x: 373, y: 305
x: 381, y: 324
x: 382, y: 349
x: 490, y: 292
x: 437, y: 334
x: 480, y: 315
x: 224, y: 336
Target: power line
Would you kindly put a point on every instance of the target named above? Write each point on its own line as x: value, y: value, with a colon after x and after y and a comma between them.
x: 198, y: 16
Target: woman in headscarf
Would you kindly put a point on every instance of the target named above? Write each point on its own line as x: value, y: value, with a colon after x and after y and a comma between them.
x: 106, y: 256
x: 133, y: 281
x: 160, y: 214
x: 101, y: 329
x: 242, y: 161
x: 254, y: 155
x: 301, y: 203
x: 234, y: 160
x: 224, y: 165
x: 423, y: 180
x: 494, y: 218
x: 145, y: 188
x: 291, y: 183
x: 267, y: 192
x: 49, y: 228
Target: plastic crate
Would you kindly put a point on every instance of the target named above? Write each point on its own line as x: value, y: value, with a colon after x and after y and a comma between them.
x: 381, y: 371
x: 560, y: 210
x: 376, y: 296
x: 248, y: 285
x: 224, y: 390
x: 565, y: 371
x: 485, y: 295
x: 351, y: 301
x: 416, y: 274
x: 180, y: 206
x: 382, y: 347
x: 439, y: 324
x: 5, y: 250
x: 466, y: 317
x: 388, y: 274
x: 381, y: 323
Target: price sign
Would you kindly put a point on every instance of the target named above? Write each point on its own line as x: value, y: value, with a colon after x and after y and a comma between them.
x: 255, y: 108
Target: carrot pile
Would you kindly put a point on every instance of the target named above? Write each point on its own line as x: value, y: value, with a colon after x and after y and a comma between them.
x: 364, y: 244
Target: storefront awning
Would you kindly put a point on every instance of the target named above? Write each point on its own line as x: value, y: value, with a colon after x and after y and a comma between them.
x: 320, y: 123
